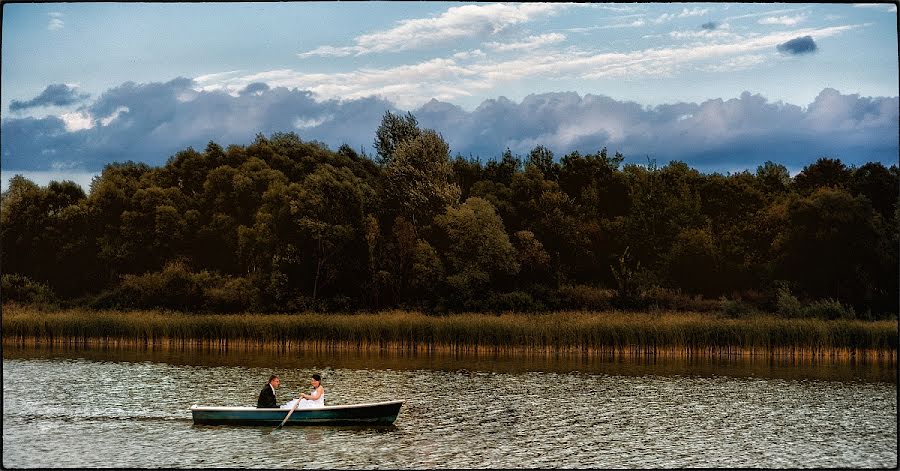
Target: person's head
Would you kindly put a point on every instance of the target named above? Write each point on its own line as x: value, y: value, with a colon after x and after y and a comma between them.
x: 274, y: 380
x: 316, y: 380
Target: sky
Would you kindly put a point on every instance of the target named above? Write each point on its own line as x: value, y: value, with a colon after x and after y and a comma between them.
x: 723, y: 87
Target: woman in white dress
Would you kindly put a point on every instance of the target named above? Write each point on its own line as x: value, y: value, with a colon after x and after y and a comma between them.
x: 316, y: 398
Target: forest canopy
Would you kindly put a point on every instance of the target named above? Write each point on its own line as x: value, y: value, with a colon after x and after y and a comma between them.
x: 284, y: 224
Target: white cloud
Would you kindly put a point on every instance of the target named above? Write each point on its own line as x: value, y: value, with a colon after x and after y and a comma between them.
x: 469, y: 54
x: 305, y: 123
x: 217, y: 76
x: 685, y: 13
x: 56, y: 22
x: 529, y: 43
x: 888, y: 7
x: 115, y: 114
x: 61, y: 165
x: 782, y: 20
x: 331, y: 51
x: 457, y: 23
x: 737, y: 63
x: 765, y: 13
x: 447, y: 79
x: 77, y: 121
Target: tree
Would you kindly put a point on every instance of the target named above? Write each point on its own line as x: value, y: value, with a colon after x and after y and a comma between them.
x: 533, y: 259
x: 693, y: 262
x: 419, y: 178
x: 479, y: 249
x: 328, y: 212
x: 502, y: 171
x: 833, y: 245
x: 541, y: 158
x: 772, y: 178
x: 394, y: 129
x: 824, y: 172
x: 876, y: 183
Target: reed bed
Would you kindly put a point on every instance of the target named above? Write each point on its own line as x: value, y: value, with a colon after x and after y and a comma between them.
x: 656, y: 333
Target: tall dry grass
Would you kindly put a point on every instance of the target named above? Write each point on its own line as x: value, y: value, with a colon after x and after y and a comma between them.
x: 615, y: 331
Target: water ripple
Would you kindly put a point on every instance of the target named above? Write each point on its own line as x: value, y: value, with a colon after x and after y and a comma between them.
x: 136, y: 414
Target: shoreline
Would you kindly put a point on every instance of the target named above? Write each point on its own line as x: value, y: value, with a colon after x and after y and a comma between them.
x: 250, y: 346
x: 571, y: 333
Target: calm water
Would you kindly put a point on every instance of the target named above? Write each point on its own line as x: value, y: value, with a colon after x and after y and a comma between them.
x: 129, y: 408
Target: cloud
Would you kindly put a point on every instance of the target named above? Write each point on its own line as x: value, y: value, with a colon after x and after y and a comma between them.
x: 457, y: 23
x: 529, y: 43
x: 54, y: 95
x: 150, y: 123
x: 782, y: 20
x: 802, y: 45
x: 469, y: 54
x: 763, y: 13
x: 447, y: 79
x: 737, y: 63
x: 685, y: 13
x: 887, y: 7
x: 56, y: 22
x: 256, y: 88
x: 721, y: 31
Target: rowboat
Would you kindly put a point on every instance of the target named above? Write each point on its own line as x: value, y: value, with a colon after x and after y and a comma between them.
x: 376, y: 413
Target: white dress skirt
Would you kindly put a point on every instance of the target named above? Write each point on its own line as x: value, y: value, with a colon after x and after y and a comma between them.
x: 306, y: 403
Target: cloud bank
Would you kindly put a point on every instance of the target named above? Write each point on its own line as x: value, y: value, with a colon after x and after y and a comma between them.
x: 150, y: 122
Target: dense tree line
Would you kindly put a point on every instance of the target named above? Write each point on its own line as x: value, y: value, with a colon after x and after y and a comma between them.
x: 286, y: 224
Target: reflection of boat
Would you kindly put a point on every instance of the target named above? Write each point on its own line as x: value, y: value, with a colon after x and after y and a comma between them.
x: 378, y: 413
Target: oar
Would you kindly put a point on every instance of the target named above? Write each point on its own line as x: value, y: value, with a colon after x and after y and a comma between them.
x: 288, y: 416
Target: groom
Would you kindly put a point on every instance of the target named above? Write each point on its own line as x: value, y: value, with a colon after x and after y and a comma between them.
x: 267, y: 395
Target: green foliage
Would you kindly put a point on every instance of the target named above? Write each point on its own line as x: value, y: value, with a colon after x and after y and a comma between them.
x: 824, y: 173
x: 829, y: 309
x: 588, y: 297
x: 393, y: 131
x: 479, y: 250
x: 18, y: 288
x: 626, y: 273
x: 285, y: 224
x: 734, y: 308
x: 693, y: 261
x: 787, y: 304
x: 176, y: 287
x: 419, y: 178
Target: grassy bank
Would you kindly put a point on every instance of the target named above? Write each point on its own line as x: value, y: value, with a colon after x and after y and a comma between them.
x: 657, y: 332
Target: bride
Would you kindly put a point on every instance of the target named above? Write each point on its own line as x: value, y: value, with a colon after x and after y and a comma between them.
x: 315, y: 399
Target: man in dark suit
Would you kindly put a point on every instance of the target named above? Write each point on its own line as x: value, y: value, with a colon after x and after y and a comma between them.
x: 267, y: 395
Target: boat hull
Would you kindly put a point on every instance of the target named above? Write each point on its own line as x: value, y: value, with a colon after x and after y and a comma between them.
x: 381, y: 413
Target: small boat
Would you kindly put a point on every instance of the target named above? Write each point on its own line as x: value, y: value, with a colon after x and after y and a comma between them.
x: 377, y: 413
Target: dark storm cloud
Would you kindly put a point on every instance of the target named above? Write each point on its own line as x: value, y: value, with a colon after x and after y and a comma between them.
x: 802, y: 45
x: 150, y: 122
x: 54, y: 95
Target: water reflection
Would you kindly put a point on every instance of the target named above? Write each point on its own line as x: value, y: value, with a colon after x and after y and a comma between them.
x: 130, y: 408
x: 872, y: 369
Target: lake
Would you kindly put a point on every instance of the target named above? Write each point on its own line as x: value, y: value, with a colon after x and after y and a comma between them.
x: 129, y: 407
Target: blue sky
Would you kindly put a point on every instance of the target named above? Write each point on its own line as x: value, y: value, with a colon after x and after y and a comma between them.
x: 721, y: 86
